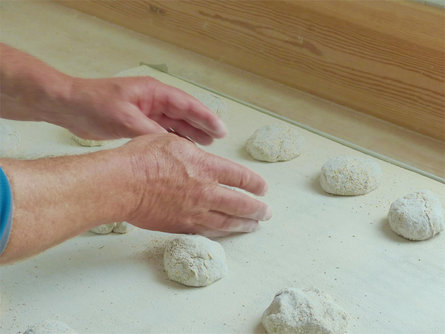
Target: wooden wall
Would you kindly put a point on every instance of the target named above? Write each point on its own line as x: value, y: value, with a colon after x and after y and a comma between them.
x: 384, y: 58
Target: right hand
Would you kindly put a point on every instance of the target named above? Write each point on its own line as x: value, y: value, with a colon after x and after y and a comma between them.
x: 182, y: 189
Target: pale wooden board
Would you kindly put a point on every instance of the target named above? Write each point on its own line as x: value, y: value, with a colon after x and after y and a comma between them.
x: 342, y: 245
x: 384, y: 58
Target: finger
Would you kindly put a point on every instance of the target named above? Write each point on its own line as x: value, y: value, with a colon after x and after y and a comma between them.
x: 185, y: 129
x: 214, y: 233
x: 180, y: 105
x: 139, y: 124
x: 215, y: 222
x: 237, y: 204
x: 235, y: 175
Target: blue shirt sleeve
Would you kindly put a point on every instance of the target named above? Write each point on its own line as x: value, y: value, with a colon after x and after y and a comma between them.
x: 5, y: 210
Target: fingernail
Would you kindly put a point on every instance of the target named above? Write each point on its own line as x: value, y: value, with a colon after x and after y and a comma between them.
x: 268, y: 214
x: 222, y: 130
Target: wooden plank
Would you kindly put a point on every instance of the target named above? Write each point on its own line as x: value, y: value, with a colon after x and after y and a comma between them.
x: 384, y: 58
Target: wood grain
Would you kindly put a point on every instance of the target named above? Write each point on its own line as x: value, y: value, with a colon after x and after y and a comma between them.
x: 384, y: 58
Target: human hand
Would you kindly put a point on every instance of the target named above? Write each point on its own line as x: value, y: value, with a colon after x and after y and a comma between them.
x: 182, y: 189
x: 159, y: 182
x: 100, y: 108
x: 133, y: 106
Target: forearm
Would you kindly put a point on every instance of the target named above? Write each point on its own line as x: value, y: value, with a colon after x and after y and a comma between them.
x: 56, y: 199
x: 30, y: 89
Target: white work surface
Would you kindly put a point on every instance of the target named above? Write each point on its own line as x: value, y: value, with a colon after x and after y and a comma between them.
x: 342, y: 245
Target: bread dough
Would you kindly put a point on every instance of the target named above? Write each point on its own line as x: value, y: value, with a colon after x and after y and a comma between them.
x: 278, y: 142
x: 89, y: 142
x: 121, y: 228
x: 350, y: 175
x: 9, y: 141
x: 50, y: 327
x: 194, y: 261
x: 307, y: 311
x: 417, y: 216
x: 103, y: 229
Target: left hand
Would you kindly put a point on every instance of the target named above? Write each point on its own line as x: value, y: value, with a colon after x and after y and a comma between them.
x: 129, y: 107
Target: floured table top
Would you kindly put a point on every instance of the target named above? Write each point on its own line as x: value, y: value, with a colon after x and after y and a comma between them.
x: 341, y: 245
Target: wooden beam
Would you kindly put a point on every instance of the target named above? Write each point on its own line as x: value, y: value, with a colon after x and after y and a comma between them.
x: 384, y: 58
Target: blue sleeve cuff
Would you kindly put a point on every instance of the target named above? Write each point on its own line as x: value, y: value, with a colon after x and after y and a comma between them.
x: 5, y: 210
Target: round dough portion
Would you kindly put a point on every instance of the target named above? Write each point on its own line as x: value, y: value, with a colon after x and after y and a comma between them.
x: 307, y: 311
x: 274, y: 143
x: 89, y: 142
x: 417, y: 216
x: 103, y: 229
x: 194, y: 261
x: 50, y: 327
x: 350, y: 175
x: 122, y: 227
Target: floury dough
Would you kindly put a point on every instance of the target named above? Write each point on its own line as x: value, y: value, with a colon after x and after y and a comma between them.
x: 278, y: 142
x: 350, y: 175
x: 121, y: 228
x: 307, y: 311
x: 194, y: 261
x: 89, y: 142
x: 50, y: 327
x: 417, y: 216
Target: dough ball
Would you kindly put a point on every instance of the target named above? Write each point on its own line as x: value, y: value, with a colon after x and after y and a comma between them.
x: 122, y: 227
x: 417, y: 216
x: 277, y: 142
x: 50, y: 327
x: 89, y: 142
x: 194, y: 261
x: 350, y: 175
x: 103, y: 229
x: 307, y: 311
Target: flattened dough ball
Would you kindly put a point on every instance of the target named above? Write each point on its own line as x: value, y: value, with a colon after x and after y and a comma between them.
x: 194, y: 261
x: 417, y: 216
x: 121, y: 228
x: 103, y: 229
x: 50, y: 327
x: 89, y: 142
x: 278, y: 142
x: 307, y: 311
x: 350, y: 175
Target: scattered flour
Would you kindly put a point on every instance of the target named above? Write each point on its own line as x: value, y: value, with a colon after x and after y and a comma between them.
x: 277, y: 142
x: 194, y: 261
x: 50, y: 327
x: 122, y: 227
x: 350, y: 175
x: 417, y: 216
x: 307, y: 311
x: 89, y: 142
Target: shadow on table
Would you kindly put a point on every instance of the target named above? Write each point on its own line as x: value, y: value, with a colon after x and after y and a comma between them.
x: 388, y: 233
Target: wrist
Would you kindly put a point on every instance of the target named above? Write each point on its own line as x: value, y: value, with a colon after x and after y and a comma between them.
x: 31, y: 90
